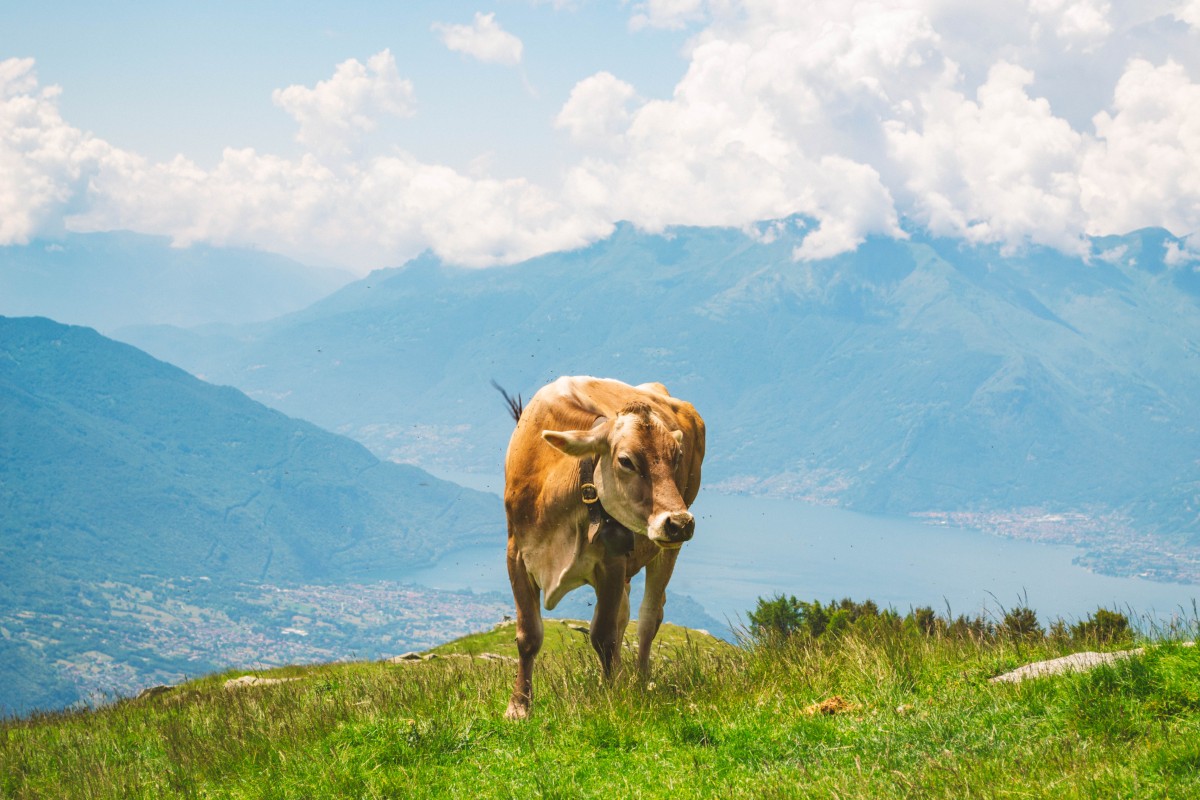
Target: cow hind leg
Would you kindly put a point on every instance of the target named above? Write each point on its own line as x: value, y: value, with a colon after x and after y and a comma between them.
x: 529, y: 634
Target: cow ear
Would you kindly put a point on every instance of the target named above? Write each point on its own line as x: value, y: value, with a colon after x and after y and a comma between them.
x: 578, y: 443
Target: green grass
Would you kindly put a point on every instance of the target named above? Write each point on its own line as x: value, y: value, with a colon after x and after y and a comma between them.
x: 714, y: 721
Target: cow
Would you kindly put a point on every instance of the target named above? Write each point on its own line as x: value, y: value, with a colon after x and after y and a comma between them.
x: 598, y: 479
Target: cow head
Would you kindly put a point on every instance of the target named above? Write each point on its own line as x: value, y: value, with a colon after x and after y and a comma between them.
x: 639, y: 469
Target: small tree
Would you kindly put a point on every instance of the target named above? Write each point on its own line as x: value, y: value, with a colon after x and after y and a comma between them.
x: 777, y: 618
x: 1103, y: 627
x: 923, y: 619
x: 1021, y: 623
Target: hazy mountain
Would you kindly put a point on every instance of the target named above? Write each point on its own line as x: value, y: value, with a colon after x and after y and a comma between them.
x: 907, y: 376
x: 109, y: 280
x: 114, y: 460
x: 137, y: 501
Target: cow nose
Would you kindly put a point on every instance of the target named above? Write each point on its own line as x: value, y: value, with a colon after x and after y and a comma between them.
x: 679, y: 526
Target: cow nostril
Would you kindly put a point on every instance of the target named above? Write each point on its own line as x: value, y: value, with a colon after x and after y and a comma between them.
x: 680, y: 526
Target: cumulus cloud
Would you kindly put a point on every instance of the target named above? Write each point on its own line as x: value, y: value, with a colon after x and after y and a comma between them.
x: 852, y: 114
x: 1189, y: 12
x: 1082, y: 23
x: 45, y: 163
x: 1185, y: 253
x: 1000, y: 168
x: 365, y: 212
x: 483, y: 39
x: 597, y: 113
x: 335, y: 112
x: 1143, y: 169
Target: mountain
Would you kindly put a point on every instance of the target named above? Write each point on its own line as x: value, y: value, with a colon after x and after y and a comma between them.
x: 110, y: 280
x: 115, y: 461
x: 910, y: 376
x: 137, y: 501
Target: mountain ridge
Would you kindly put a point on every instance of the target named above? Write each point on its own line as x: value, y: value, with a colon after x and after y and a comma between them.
x: 114, y: 279
x: 911, y: 376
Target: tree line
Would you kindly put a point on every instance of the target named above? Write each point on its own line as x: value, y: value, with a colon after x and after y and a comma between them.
x: 784, y: 617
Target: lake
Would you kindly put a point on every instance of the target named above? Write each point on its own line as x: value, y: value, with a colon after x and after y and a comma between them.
x: 749, y: 547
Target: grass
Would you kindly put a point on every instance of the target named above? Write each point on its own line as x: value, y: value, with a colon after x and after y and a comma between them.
x: 918, y: 719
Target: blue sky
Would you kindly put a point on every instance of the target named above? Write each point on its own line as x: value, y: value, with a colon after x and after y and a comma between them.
x: 361, y: 135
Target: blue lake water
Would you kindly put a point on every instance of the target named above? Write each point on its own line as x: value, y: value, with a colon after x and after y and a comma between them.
x: 749, y: 547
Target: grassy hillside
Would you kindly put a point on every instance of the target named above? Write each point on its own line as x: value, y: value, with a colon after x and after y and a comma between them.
x: 889, y: 713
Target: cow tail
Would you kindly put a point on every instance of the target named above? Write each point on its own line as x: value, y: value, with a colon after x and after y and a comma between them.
x: 515, y: 405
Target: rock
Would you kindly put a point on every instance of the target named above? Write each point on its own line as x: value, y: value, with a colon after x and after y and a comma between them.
x: 153, y: 691
x: 1076, y: 662
x: 254, y: 680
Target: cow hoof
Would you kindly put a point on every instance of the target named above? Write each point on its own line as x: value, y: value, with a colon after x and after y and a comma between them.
x: 517, y: 711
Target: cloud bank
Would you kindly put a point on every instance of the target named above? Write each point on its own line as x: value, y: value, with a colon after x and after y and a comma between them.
x: 863, y: 117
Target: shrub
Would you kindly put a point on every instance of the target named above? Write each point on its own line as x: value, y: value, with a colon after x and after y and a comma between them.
x: 1021, y: 623
x: 779, y: 617
x: 1103, y: 627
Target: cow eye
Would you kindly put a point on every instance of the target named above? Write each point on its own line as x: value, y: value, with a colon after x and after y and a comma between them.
x: 626, y: 463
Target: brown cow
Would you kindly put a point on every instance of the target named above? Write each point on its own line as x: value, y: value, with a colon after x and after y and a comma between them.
x: 567, y: 528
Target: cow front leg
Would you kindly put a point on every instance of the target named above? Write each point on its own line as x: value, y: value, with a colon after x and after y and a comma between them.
x: 650, y: 615
x: 529, y: 633
x: 612, y: 605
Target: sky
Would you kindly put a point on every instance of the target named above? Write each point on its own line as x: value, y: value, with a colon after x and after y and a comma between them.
x: 362, y: 135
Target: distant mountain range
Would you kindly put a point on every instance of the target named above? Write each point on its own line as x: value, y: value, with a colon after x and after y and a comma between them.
x: 110, y: 280
x: 120, y: 474
x: 910, y: 376
x: 113, y: 459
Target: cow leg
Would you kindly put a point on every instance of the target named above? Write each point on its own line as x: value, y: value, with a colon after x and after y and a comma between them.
x: 611, y: 601
x: 529, y: 633
x: 650, y: 615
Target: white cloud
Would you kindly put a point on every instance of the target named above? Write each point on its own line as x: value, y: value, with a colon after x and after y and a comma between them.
x: 1189, y: 12
x: 45, y: 164
x: 597, y: 112
x: 379, y: 212
x: 1001, y: 168
x: 668, y: 14
x: 483, y: 39
x: 1183, y: 253
x: 1082, y: 23
x: 851, y: 113
x: 335, y: 112
x: 1143, y: 168
x: 319, y: 208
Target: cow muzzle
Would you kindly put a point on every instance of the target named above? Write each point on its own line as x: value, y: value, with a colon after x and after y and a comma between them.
x: 670, y: 530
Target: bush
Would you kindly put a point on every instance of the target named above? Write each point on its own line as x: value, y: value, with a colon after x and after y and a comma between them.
x: 779, y: 617
x: 1021, y: 623
x: 782, y: 617
x: 1103, y: 627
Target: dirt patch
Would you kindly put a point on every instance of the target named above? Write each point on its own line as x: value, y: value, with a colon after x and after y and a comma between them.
x: 830, y: 706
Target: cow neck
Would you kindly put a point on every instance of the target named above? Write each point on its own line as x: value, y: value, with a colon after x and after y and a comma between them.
x: 590, y: 495
x: 616, y: 538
